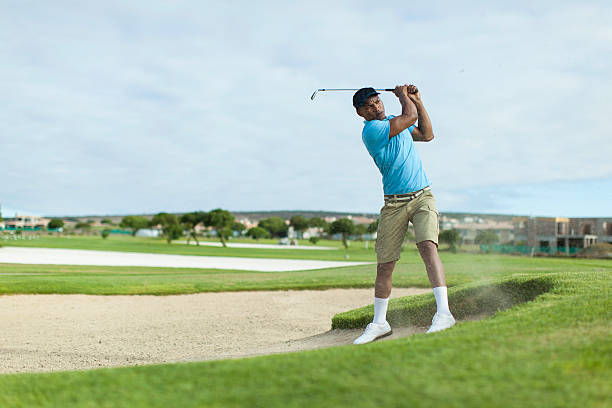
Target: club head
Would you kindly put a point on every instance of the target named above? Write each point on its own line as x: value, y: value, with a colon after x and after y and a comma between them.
x: 314, y: 94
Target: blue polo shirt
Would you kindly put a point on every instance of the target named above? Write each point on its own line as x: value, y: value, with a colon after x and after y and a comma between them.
x: 396, y: 158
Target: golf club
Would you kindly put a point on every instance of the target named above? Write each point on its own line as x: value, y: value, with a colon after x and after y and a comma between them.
x: 314, y: 94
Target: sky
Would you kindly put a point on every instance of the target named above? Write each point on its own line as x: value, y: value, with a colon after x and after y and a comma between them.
x: 146, y: 106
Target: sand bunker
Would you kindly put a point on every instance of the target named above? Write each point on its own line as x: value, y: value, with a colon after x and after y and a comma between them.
x: 53, y: 256
x: 67, y: 332
x: 259, y: 246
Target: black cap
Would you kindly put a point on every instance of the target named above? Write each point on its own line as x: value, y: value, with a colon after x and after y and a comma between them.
x: 362, y: 95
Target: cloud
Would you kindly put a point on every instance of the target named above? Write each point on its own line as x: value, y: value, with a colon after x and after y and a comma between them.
x: 147, y: 106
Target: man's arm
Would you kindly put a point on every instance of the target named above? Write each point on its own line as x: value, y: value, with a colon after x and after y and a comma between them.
x: 409, y: 112
x: 423, y: 132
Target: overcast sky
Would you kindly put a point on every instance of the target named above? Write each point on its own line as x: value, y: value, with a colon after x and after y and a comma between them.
x: 138, y: 107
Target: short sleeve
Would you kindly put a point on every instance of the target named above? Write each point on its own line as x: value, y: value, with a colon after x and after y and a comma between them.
x: 376, y: 135
x: 411, y: 128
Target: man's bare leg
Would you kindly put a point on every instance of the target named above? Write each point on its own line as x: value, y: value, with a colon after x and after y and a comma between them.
x: 384, y: 272
x: 443, y: 319
x: 382, y: 290
x: 433, y: 264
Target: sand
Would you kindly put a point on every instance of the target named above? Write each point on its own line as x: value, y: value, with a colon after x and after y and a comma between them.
x: 40, y: 333
x: 53, y: 256
x: 259, y: 246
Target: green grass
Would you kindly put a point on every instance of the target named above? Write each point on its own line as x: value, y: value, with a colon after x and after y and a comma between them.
x: 468, y: 301
x: 410, y: 272
x: 553, y: 351
x: 547, y: 344
x: 356, y: 252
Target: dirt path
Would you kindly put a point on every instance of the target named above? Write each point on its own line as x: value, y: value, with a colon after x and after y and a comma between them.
x: 67, y: 332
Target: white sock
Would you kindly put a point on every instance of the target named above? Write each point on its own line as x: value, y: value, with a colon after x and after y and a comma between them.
x: 380, y: 310
x: 441, y: 296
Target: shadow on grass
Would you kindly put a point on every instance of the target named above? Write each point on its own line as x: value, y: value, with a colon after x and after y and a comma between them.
x: 465, y: 302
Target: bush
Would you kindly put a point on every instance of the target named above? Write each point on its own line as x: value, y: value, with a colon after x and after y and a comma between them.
x: 486, y: 237
x: 55, y: 223
x: 256, y: 233
x: 313, y: 240
x: 105, y: 233
x: 276, y: 226
x: 452, y: 238
x: 601, y: 250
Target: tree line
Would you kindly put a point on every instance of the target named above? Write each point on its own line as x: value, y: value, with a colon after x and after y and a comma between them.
x: 224, y: 224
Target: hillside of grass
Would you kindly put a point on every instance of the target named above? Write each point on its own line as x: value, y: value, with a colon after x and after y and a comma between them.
x: 552, y: 347
x: 410, y: 272
x: 121, y: 243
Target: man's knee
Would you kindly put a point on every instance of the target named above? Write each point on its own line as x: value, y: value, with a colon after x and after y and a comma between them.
x: 427, y: 246
x: 385, y: 269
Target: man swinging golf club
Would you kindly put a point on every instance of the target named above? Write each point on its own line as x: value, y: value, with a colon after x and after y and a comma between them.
x: 408, y: 198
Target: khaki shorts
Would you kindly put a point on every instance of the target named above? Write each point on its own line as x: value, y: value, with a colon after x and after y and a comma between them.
x: 393, y: 224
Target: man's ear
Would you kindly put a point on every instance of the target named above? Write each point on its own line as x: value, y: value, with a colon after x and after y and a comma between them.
x: 358, y: 110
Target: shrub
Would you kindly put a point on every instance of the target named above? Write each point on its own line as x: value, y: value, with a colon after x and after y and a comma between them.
x: 452, y: 238
x: 55, y: 223
x: 600, y: 250
x: 257, y: 232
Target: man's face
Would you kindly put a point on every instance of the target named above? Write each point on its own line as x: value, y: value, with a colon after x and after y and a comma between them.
x: 372, y: 109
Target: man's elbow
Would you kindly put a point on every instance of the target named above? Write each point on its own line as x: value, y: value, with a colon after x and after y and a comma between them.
x: 428, y: 137
x: 412, y: 119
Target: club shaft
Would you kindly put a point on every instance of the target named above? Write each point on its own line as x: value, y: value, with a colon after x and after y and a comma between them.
x: 353, y: 89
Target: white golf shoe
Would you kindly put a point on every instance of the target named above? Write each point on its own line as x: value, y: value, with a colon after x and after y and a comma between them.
x: 374, y: 331
x: 441, y: 321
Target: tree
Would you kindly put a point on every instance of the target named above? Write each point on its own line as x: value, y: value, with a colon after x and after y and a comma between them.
x: 314, y: 240
x: 343, y: 226
x: 83, y: 225
x: 221, y: 221
x: 105, y: 233
x: 299, y: 223
x: 190, y: 221
x: 106, y: 221
x: 55, y: 223
x: 171, y: 228
x: 487, y: 237
x: 373, y: 227
x: 317, y: 222
x: 276, y: 226
x: 135, y: 223
x: 257, y: 232
x: 361, y: 229
x: 450, y: 237
x: 238, y: 226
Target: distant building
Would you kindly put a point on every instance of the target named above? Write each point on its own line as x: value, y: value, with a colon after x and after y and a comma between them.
x: 559, y: 234
x: 360, y: 219
x: 26, y: 223
x: 468, y: 228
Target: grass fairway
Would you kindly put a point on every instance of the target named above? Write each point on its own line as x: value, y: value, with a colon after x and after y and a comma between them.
x: 122, y: 243
x: 554, y: 351
x: 410, y: 272
x: 550, y: 347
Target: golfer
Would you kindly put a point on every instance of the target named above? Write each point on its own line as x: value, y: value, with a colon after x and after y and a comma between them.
x: 408, y: 198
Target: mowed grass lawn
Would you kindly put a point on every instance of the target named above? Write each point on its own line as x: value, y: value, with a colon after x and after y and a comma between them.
x: 552, y: 348
x: 122, y: 243
x: 461, y: 268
